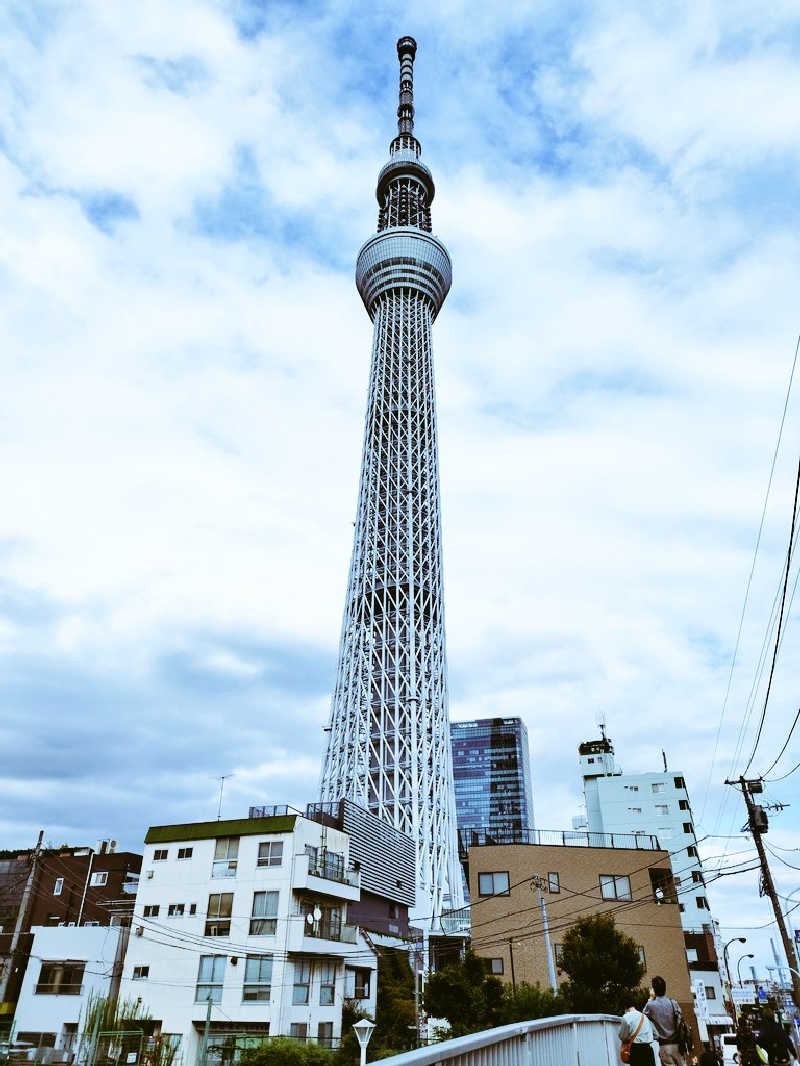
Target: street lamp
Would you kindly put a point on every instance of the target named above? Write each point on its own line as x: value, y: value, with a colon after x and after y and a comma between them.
x: 733, y: 940
x: 739, y: 963
x: 363, y: 1029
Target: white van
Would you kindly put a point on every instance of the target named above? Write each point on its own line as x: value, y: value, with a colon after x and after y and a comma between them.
x: 728, y: 1046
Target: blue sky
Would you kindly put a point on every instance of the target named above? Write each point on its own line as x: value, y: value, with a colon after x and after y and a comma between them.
x: 184, y: 363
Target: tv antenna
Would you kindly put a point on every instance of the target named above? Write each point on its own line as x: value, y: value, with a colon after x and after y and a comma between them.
x: 222, y: 779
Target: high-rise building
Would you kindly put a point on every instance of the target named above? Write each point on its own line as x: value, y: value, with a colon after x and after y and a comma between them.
x: 388, y: 737
x: 656, y: 804
x: 492, y: 776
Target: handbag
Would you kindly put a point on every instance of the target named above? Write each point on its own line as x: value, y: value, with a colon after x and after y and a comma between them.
x: 625, y: 1050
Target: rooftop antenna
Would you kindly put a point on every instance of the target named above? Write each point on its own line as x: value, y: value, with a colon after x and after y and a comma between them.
x: 664, y: 757
x: 221, y: 778
x: 601, y: 722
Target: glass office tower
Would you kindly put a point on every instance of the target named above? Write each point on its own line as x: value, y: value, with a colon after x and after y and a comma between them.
x: 492, y: 776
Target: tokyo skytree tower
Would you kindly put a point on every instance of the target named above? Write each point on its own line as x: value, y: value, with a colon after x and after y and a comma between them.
x: 388, y: 736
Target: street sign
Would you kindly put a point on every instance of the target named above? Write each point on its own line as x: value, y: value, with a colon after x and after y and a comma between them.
x: 762, y: 995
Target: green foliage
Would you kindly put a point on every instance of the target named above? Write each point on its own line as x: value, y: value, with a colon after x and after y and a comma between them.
x: 602, y: 965
x: 526, y: 1002
x: 284, y: 1052
x: 395, y: 1021
x: 466, y: 995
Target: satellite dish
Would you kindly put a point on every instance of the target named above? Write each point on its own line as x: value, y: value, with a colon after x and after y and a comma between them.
x: 310, y: 918
x: 317, y: 914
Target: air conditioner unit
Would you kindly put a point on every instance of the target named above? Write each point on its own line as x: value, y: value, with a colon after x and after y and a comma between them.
x: 138, y: 930
x: 149, y: 874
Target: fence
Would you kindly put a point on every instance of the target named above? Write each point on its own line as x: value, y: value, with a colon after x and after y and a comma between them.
x: 568, y: 1040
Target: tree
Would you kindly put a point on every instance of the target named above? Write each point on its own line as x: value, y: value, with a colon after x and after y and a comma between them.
x: 285, y: 1052
x: 602, y: 965
x: 527, y: 1002
x: 463, y: 993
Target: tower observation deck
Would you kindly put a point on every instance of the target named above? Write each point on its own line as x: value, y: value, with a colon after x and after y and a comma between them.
x: 388, y: 735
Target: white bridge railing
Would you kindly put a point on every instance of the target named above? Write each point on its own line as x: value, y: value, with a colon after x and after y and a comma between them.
x: 568, y: 1040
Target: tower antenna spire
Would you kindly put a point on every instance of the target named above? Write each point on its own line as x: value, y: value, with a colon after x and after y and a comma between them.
x: 406, y: 50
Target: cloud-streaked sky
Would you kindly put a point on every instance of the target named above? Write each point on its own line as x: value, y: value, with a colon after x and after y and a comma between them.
x: 183, y: 191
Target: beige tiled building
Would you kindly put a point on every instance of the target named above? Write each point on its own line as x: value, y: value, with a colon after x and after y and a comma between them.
x: 633, y: 882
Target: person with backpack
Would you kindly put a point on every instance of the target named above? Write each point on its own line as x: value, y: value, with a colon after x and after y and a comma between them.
x: 672, y: 1033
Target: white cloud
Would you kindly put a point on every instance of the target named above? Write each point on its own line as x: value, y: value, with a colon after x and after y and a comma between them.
x: 182, y: 401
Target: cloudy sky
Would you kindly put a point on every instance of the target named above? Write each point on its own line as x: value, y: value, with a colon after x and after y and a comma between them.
x: 183, y: 191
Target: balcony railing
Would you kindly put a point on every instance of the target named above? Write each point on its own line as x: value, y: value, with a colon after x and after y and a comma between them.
x: 331, y: 928
x: 562, y: 838
x: 65, y: 988
x: 331, y: 866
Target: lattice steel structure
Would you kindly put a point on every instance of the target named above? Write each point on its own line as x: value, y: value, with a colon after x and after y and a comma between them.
x: 389, y: 743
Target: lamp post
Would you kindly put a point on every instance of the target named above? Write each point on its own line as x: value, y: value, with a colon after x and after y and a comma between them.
x: 733, y: 940
x: 750, y: 955
x: 363, y: 1030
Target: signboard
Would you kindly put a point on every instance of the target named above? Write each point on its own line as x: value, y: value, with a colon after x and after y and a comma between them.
x: 762, y: 995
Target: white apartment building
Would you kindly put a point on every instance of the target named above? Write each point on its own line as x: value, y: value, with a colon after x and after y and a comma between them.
x: 246, y: 922
x: 657, y: 805
x: 68, y: 965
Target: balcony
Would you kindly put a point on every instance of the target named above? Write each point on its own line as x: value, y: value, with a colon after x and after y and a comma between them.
x: 326, y: 878
x: 571, y: 838
x: 328, y: 936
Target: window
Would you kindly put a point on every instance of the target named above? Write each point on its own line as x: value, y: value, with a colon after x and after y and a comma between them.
x: 692, y: 850
x: 298, y: 1031
x: 257, y: 978
x: 175, y: 910
x: 683, y: 805
x: 702, y: 903
x: 679, y: 782
x: 496, y: 966
x: 662, y: 808
x: 590, y: 760
x: 210, y: 975
x: 493, y: 884
x: 99, y: 878
x: 218, y: 917
x: 711, y: 992
x: 302, y: 981
x: 612, y: 887
x: 226, y: 853
x: 264, y: 920
x: 632, y: 788
x: 553, y: 883
x: 687, y: 827
x: 150, y: 910
x: 635, y: 810
x: 657, y: 786
x: 185, y: 853
x: 192, y: 908
x: 160, y: 854
x: 270, y: 853
x: 642, y: 956
x: 697, y: 877
x: 325, y: 1034
x: 356, y: 983
x: 691, y: 954
x: 558, y: 954
x: 140, y: 973
x: 58, y: 886
x: 327, y: 983
x: 663, y: 885
x: 60, y: 978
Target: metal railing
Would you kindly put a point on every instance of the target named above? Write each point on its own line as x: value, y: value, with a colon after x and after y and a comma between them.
x: 568, y: 1040
x: 564, y: 838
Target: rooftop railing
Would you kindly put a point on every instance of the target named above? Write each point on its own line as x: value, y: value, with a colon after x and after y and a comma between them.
x: 562, y: 838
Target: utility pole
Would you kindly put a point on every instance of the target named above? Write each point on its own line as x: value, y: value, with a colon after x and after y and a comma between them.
x: 511, y: 954
x: 538, y: 882
x: 204, y: 1044
x: 757, y: 825
x: 21, y: 916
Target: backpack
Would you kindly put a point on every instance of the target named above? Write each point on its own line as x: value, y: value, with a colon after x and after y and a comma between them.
x: 682, y: 1031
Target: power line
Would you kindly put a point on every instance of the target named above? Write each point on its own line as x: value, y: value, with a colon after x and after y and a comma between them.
x: 750, y: 577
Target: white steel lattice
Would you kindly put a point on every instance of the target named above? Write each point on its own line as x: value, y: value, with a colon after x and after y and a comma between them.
x: 389, y: 740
